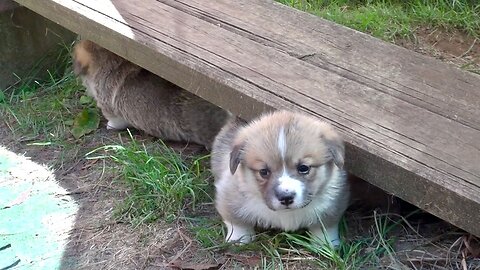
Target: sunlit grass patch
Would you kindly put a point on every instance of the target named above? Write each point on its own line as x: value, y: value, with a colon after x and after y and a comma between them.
x: 390, y: 19
x: 162, y: 182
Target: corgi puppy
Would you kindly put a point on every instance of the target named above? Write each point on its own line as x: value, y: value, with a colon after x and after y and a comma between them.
x: 130, y: 96
x: 284, y: 171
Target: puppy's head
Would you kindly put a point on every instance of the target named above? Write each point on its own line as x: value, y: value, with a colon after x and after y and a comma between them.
x: 82, y: 57
x: 88, y: 57
x: 286, y: 158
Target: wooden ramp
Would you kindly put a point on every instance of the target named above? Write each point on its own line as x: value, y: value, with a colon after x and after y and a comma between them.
x: 411, y: 123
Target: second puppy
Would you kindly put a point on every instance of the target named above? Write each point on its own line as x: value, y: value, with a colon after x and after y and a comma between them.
x: 130, y: 96
x: 283, y: 170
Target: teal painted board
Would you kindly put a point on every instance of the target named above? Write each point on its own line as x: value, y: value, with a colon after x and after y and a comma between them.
x: 36, y: 214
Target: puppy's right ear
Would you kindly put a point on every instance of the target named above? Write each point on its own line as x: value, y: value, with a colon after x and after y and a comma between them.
x: 235, y: 157
x: 336, y: 148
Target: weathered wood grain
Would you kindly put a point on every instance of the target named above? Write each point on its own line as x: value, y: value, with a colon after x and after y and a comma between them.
x: 411, y: 123
x: 351, y: 54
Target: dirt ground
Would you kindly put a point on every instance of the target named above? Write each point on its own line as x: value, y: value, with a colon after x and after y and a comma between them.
x: 100, y: 241
x: 453, y: 47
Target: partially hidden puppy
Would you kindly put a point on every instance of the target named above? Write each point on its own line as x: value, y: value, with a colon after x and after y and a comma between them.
x: 283, y: 170
x: 130, y: 96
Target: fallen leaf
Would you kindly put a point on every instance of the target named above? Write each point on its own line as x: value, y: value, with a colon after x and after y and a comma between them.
x: 251, y: 261
x: 68, y: 122
x: 85, y: 122
x: 84, y: 100
x: 89, y: 164
x: 194, y: 266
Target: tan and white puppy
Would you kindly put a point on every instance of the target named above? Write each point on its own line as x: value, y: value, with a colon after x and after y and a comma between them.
x: 130, y: 96
x: 283, y: 170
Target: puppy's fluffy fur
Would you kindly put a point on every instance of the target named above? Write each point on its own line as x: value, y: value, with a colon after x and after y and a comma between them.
x: 284, y: 171
x: 129, y: 95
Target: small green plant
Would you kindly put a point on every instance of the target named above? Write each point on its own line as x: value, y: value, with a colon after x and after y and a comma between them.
x: 161, y: 181
x: 85, y: 122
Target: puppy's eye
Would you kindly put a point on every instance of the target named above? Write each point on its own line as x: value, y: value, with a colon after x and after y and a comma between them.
x: 303, y: 169
x: 264, y: 173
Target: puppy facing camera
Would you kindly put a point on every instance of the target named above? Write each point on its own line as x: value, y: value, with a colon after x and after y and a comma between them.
x: 283, y: 170
x: 130, y: 96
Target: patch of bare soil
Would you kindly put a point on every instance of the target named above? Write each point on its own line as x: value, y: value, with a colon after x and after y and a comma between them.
x: 453, y: 46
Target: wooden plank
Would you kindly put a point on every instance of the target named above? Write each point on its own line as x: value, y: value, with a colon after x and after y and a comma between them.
x: 357, y: 56
x: 411, y: 123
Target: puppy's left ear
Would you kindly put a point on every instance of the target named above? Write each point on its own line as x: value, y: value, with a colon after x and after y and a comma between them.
x: 235, y: 157
x: 336, y: 148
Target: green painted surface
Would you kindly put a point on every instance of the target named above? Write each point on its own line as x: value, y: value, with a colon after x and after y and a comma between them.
x: 5, y: 164
x: 35, y: 214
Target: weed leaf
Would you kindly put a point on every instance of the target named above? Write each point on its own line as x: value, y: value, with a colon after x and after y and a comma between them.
x: 68, y: 122
x: 85, y: 100
x: 85, y: 122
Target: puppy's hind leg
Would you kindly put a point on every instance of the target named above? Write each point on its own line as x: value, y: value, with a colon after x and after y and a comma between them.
x: 117, y: 123
x: 240, y: 233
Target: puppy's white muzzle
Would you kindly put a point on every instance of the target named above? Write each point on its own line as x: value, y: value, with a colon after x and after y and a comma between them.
x: 288, y: 194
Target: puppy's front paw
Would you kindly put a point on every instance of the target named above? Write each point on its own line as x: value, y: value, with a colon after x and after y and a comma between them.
x: 117, y: 124
x: 329, y: 235
x: 242, y: 234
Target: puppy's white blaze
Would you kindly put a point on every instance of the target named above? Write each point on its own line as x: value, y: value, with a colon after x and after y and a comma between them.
x: 282, y: 142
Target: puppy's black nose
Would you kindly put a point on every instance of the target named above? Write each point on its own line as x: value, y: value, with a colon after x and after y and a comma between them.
x: 285, y: 198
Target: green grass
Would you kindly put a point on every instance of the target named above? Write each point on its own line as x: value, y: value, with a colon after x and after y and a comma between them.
x: 391, y: 19
x: 161, y: 181
x: 42, y: 110
x: 279, y: 249
x: 358, y: 253
x: 208, y: 231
